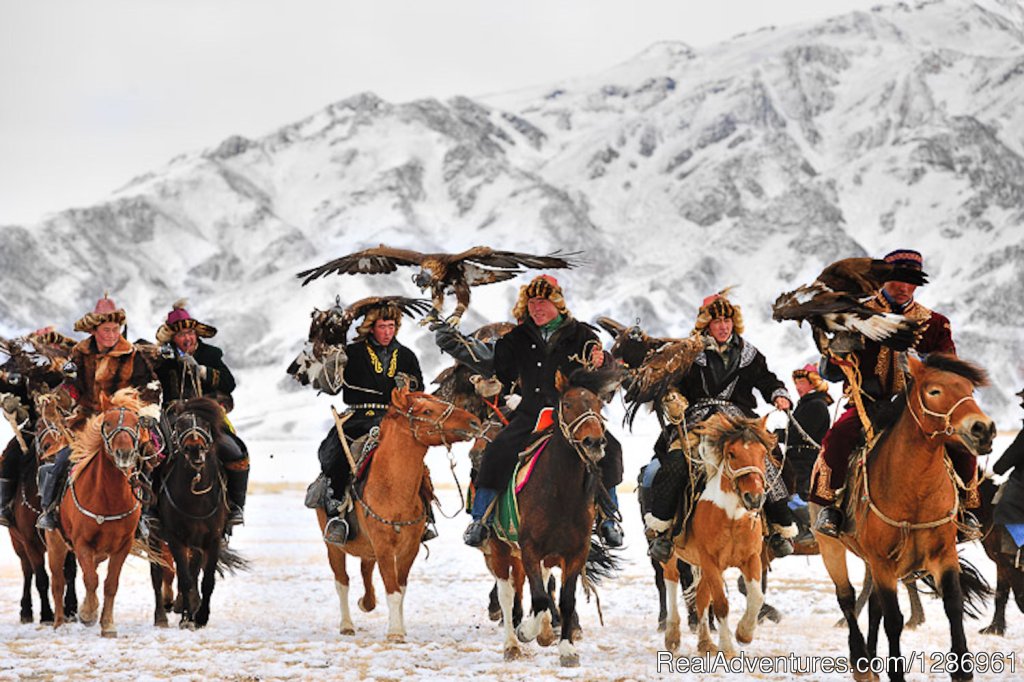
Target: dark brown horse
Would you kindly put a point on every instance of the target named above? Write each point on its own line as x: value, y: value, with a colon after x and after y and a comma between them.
x: 390, y: 512
x: 99, y: 510
x: 556, y: 510
x: 904, y: 512
x: 1009, y: 578
x: 193, y: 509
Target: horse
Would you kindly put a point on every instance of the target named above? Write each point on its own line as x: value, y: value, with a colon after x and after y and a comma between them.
x: 904, y: 506
x: 391, y: 513
x: 725, y: 530
x: 193, y: 510
x: 1009, y: 577
x: 99, y: 510
x: 556, y: 511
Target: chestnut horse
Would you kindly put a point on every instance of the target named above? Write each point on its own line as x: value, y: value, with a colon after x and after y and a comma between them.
x: 556, y: 510
x: 725, y: 530
x: 904, y: 511
x: 390, y: 512
x: 99, y: 510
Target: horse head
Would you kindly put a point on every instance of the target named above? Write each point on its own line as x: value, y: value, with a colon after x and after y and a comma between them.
x: 195, y: 425
x: 942, y: 402
x: 433, y: 421
x: 50, y: 433
x: 579, y: 408
x: 119, y: 429
x: 737, y: 446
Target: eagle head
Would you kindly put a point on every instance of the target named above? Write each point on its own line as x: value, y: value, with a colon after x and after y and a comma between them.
x: 422, y: 279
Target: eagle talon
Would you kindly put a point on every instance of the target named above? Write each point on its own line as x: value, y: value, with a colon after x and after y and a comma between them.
x: 453, y: 320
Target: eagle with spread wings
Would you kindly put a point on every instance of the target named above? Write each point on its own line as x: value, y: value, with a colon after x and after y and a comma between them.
x: 442, y: 272
x: 322, y: 361
x: 839, y: 302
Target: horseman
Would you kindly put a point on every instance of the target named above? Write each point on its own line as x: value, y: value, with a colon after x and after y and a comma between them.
x: 1010, y: 508
x: 183, y: 335
x: 546, y: 340
x: 375, y: 359
x: 17, y: 393
x: 99, y: 366
x: 811, y: 422
x: 883, y: 378
x: 723, y: 378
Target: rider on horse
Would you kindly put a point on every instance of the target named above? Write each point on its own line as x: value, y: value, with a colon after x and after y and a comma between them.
x: 811, y: 415
x: 375, y: 359
x: 17, y: 392
x: 1010, y: 508
x: 722, y: 379
x: 882, y: 379
x: 184, y: 335
x: 546, y: 340
x: 99, y: 366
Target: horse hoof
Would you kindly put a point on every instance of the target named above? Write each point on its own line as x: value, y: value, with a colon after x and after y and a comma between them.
x: 546, y: 640
x: 396, y: 639
x: 744, y: 638
x: 512, y: 653
x: 494, y: 615
x: 186, y: 625
x: 88, y: 622
x: 110, y: 633
x: 706, y: 648
x: 49, y: 621
x: 161, y: 624
x: 569, y: 660
x: 993, y: 630
x: 25, y: 620
x: 348, y: 631
x: 366, y: 605
x: 769, y: 613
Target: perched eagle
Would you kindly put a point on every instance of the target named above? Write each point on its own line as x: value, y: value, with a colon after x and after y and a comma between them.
x: 441, y: 272
x: 322, y: 361
x: 632, y: 344
x: 839, y: 300
x: 660, y: 371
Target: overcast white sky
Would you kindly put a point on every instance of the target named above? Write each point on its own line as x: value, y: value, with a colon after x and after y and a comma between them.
x: 93, y: 93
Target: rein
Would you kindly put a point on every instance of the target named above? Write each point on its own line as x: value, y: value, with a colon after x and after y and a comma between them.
x: 205, y: 436
x: 569, y: 431
x: 100, y: 519
x: 947, y: 417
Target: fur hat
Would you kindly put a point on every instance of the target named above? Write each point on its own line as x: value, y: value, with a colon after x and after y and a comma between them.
x: 717, y: 305
x: 104, y: 311
x: 541, y: 286
x: 179, y: 320
x: 810, y: 372
x: 905, y: 257
x: 49, y: 336
x: 384, y: 311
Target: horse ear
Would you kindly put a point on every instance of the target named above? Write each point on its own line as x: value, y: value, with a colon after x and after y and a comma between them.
x: 764, y: 422
x: 400, y: 397
x: 915, y: 365
x: 561, y: 381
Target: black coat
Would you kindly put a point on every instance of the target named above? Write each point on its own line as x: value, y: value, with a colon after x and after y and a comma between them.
x: 365, y: 369
x: 219, y: 379
x: 811, y: 414
x: 1011, y: 506
x: 710, y: 378
x: 522, y: 356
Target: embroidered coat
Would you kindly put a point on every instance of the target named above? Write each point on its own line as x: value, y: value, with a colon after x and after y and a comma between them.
x: 370, y: 378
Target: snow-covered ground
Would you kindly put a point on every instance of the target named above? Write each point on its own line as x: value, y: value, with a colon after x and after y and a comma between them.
x: 281, y: 619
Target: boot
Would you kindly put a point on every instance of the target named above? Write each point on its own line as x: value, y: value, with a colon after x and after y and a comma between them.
x: 429, y: 530
x: 51, y: 478
x: 610, y: 530
x: 149, y: 521
x: 238, y: 482
x: 477, y: 532
x: 7, y: 488
x: 659, y: 542
x: 829, y: 522
x: 336, y: 531
x: 783, y: 526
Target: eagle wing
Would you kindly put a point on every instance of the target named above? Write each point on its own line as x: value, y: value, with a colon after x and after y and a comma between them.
x: 475, y: 275
x: 865, y: 276
x: 660, y: 371
x: 380, y: 259
x: 513, y: 260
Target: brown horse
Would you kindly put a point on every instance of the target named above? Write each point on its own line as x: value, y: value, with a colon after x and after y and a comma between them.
x: 1009, y: 577
x: 556, y: 510
x: 725, y: 530
x: 390, y: 512
x: 904, y: 511
x: 99, y: 510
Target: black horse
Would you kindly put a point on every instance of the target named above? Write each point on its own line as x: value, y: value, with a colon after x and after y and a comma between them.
x: 192, y: 507
x: 1009, y: 578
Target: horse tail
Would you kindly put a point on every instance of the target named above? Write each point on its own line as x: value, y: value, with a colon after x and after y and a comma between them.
x: 231, y: 561
x: 973, y: 586
x: 602, y: 562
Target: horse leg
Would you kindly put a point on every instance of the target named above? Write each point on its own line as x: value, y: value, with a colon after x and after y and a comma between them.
x: 768, y: 611
x: 549, y: 582
x: 493, y: 605
x: 26, y: 588
x: 43, y: 588
x: 156, y: 577
x: 670, y: 579
x: 538, y: 624
x: 91, y: 580
x: 953, y: 603
x: 368, y: 602
x: 833, y: 554
x: 862, y: 598
x: 702, y: 604
x: 755, y: 601
x: 567, y: 654
x: 337, y: 559
x: 209, y: 580
x: 57, y: 551
x: 874, y: 620
x: 505, y: 593
x: 712, y: 575
x: 110, y: 583
x: 387, y: 566
x: 916, y: 609
x: 886, y: 591
x: 185, y: 584
x: 70, y: 592
x: 659, y: 582
x: 998, y: 624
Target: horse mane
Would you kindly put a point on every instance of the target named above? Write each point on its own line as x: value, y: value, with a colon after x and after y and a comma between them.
x: 600, y: 382
x: 90, y: 440
x: 719, y: 429
x: 205, y: 409
x: 947, y: 362
x: 128, y: 398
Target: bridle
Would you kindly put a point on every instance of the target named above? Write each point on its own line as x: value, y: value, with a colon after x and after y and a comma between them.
x: 946, y: 417
x: 134, y: 432
x: 193, y: 429
x: 569, y: 430
x: 436, y: 426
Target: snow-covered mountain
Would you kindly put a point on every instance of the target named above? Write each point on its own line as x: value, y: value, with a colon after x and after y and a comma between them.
x: 754, y: 162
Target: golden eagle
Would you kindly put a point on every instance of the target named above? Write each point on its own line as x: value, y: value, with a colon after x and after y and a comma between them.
x: 441, y: 272
x: 839, y: 301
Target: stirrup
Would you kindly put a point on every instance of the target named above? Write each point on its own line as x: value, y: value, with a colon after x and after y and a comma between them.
x: 660, y: 548
x: 429, y: 533
x: 47, y: 520
x: 235, y: 517
x: 611, y: 532
x: 336, y: 531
